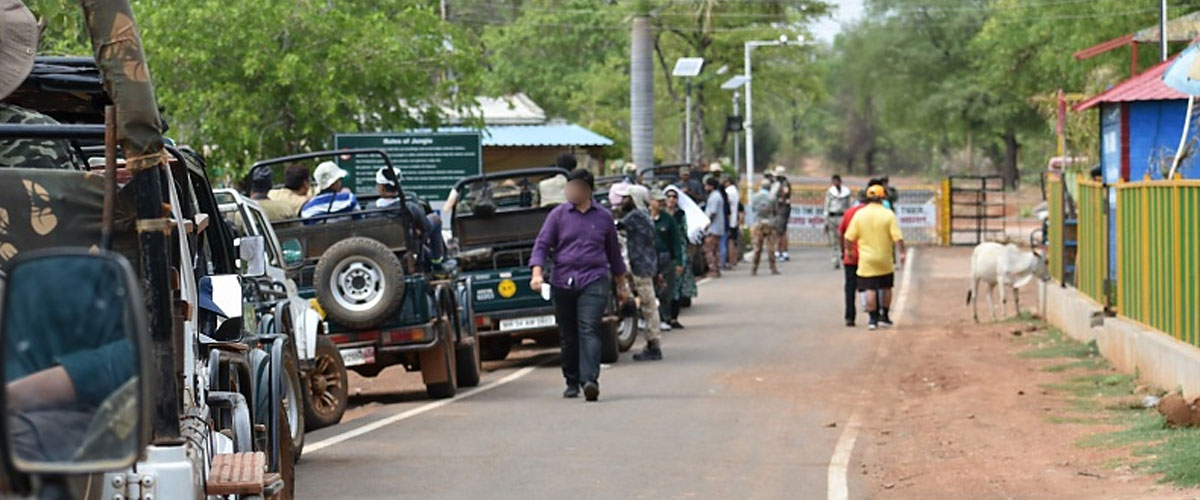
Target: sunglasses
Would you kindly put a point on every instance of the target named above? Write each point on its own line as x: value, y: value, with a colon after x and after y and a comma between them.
x: 672, y: 195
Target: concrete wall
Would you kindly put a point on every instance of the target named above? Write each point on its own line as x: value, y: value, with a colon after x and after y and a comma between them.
x: 1156, y: 357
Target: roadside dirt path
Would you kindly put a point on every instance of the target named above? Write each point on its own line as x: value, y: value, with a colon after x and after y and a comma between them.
x: 954, y: 412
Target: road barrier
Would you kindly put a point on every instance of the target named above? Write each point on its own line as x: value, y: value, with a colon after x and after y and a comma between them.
x: 1092, y: 259
x: 918, y: 210
x: 1158, y: 256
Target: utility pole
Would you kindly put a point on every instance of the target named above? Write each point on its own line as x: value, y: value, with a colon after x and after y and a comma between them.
x: 1162, y: 28
x: 687, y: 140
x: 736, y: 144
x: 748, y: 128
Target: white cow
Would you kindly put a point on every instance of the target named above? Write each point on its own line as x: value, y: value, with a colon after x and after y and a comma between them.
x: 1005, y: 265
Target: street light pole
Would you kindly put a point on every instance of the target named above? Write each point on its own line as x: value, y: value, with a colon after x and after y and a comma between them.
x: 737, y: 154
x: 1162, y: 29
x: 687, y: 128
x: 748, y: 126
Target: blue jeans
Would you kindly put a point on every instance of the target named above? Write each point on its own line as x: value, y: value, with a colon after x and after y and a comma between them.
x: 579, y: 313
x: 725, y: 248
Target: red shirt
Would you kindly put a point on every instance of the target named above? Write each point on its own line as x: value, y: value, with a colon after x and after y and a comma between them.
x: 850, y: 256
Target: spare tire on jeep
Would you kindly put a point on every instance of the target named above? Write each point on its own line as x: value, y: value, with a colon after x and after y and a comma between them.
x: 359, y: 282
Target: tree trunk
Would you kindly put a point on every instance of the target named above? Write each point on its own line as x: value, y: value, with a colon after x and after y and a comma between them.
x: 1012, y: 173
x: 641, y: 92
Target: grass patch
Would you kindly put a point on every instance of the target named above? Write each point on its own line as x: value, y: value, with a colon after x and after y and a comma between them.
x: 1056, y: 345
x: 1089, y: 364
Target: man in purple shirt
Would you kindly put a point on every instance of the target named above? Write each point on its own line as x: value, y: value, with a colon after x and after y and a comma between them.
x: 583, y: 238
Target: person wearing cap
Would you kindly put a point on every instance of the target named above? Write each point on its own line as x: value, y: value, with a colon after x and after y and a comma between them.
x: 690, y: 185
x: 295, y: 190
x: 582, y: 236
x: 643, y: 264
x: 18, y: 45
x: 670, y: 248
x: 333, y: 198
x: 837, y: 200
x: 426, y: 228
x: 784, y: 213
x: 630, y: 171
x: 849, y: 253
x: 261, y: 181
x: 876, y: 232
x: 714, y: 208
x: 763, y: 232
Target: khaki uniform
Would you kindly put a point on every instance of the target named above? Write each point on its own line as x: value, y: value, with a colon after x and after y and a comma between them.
x: 294, y: 201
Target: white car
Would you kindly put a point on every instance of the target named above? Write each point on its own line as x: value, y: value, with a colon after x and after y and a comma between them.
x: 323, y: 371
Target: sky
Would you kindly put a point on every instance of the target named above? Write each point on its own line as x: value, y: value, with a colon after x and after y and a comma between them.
x: 843, y: 11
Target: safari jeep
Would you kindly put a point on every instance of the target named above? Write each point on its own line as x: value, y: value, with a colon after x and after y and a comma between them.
x: 383, y: 302
x: 322, y: 370
x: 155, y: 382
x: 495, y: 219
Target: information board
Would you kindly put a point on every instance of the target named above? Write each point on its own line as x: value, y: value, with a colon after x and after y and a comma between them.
x: 429, y: 162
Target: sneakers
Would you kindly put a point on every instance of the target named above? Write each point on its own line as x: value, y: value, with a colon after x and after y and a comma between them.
x: 649, y: 354
x: 885, y: 322
x: 676, y: 324
x: 664, y: 326
x: 871, y: 326
x: 591, y: 391
x: 849, y: 322
x: 785, y: 256
x: 571, y: 392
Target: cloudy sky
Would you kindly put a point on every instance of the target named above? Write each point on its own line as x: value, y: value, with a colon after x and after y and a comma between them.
x: 844, y: 11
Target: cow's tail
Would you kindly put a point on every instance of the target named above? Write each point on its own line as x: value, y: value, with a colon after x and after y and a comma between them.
x: 969, y: 292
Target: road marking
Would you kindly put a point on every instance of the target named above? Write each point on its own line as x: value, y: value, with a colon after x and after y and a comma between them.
x: 381, y: 423
x: 837, y: 488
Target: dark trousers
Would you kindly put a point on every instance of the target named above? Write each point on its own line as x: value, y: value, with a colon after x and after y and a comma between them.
x: 579, y: 313
x: 666, y: 292
x: 850, y: 290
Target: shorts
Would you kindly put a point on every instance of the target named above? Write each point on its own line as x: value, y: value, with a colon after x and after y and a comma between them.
x: 876, y: 282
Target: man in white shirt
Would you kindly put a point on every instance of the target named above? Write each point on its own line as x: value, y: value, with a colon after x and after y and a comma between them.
x: 837, y: 200
x: 733, y: 236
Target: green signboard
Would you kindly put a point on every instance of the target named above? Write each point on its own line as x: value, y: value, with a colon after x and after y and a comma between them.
x: 429, y: 162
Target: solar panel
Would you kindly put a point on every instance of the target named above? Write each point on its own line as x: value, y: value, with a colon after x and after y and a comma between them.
x: 688, y: 66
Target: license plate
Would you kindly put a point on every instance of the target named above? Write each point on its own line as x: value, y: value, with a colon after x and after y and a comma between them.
x: 527, y: 323
x: 360, y: 356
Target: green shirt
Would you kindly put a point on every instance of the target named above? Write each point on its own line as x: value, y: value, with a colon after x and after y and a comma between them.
x: 666, y: 237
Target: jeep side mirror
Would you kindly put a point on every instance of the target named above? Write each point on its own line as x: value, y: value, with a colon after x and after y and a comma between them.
x: 75, y: 347
x: 252, y: 255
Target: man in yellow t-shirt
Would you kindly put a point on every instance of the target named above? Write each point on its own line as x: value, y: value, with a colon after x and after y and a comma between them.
x: 875, y: 230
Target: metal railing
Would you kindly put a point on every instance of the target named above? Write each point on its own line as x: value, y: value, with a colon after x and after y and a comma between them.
x: 1158, y: 256
x: 1091, y: 270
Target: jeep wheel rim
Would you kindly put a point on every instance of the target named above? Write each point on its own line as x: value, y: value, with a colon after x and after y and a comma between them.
x: 627, y: 329
x: 291, y: 407
x: 358, y: 284
x: 324, y: 386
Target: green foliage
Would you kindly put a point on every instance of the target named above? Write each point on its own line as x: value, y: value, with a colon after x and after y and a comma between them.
x: 246, y: 80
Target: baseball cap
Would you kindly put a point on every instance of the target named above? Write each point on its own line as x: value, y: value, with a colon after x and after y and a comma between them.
x: 779, y: 170
x: 18, y: 44
x: 261, y: 180
x: 715, y: 168
x: 382, y: 179
x: 328, y: 173
x: 876, y: 192
x: 658, y: 194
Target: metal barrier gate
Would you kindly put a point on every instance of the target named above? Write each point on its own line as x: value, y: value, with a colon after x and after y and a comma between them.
x: 977, y: 208
x: 917, y: 211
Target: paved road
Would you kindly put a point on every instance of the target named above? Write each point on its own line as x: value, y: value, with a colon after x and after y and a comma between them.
x: 749, y: 403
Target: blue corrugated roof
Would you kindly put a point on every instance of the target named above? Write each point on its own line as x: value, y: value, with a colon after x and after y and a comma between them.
x: 555, y: 134
x: 542, y: 135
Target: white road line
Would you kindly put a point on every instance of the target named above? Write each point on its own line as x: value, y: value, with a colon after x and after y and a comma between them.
x: 379, y: 424
x: 837, y: 487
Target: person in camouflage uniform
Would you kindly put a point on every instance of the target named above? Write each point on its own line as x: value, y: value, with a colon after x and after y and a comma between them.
x: 32, y: 153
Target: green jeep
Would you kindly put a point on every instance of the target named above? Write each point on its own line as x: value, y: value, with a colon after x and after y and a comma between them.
x: 494, y: 220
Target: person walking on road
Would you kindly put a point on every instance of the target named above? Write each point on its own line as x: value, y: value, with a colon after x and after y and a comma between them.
x: 875, y: 230
x: 583, y: 238
x: 763, y: 233
x: 714, y: 208
x: 838, y: 199
x: 850, y: 260
x: 784, y: 208
x: 643, y: 264
x: 685, y: 284
x: 669, y: 246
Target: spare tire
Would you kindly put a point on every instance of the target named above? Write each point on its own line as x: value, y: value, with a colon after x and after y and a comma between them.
x: 359, y: 282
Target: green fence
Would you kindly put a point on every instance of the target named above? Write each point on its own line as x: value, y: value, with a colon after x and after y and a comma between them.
x: 1054, y: 203
x: 1158, y: 256
x: 1091, y: 269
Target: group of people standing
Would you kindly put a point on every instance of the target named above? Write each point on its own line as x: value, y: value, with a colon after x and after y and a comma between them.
x: 869, y: 244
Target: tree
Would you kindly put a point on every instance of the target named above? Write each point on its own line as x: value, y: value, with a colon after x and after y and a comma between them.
x: 245, y: 80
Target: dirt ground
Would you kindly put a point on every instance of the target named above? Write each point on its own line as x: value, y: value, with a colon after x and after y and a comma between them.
x: 954, y: 412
